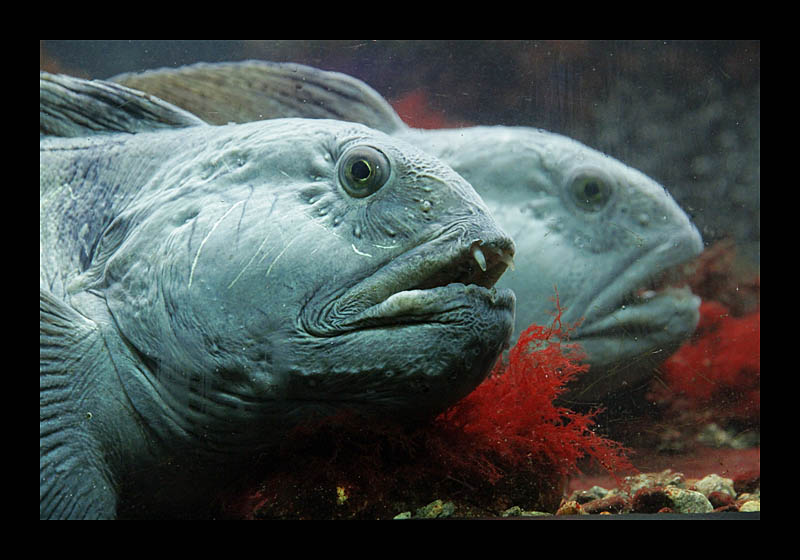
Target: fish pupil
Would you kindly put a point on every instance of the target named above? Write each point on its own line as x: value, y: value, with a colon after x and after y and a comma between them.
x: 360, y: 170
x: 591, y: 189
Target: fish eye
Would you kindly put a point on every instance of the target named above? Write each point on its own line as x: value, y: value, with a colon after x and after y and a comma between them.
x: 363, y: 170
x: 590, y: 193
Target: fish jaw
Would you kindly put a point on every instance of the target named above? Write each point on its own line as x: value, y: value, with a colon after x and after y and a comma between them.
x: 631, y: 296
x: 625, y: 320
x: 634, y: 323
x: 435, y: 320
x: 629, y: 343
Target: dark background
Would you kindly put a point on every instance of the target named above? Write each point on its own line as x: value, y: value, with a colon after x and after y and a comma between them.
x: 687, y: 113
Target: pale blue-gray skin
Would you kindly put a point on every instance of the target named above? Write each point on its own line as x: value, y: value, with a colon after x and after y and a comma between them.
x: 204, y: 288
x: 585, y: 225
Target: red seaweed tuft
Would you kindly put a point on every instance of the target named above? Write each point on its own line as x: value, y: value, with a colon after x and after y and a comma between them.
x: 511, y: 418
x: 721, y: 366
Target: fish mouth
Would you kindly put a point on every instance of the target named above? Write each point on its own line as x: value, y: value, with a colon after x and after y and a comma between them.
x: 428, y: 283
x: 414, y: 336
x: 642, y: 302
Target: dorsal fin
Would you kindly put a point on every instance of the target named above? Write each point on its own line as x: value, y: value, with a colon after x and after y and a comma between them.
x: 256, y: 90
x: 75, y: 107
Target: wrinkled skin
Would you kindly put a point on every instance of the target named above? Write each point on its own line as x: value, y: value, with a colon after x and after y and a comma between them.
x: 204, y: 289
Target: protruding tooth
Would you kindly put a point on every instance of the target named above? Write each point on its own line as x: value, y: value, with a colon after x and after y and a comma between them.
x: 507, y: 259
x: 479, y: 258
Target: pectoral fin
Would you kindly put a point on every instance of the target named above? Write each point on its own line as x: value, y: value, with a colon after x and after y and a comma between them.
x: 74, y: 482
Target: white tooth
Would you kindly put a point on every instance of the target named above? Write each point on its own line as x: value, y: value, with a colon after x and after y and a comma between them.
x: 479, y: 258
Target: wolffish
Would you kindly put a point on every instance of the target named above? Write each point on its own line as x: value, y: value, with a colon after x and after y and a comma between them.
x: 586, y: 226
x: 205, y: 288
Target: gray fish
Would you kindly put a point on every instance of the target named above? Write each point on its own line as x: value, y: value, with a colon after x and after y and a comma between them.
x: 205, y: 288
x: 585, y: 225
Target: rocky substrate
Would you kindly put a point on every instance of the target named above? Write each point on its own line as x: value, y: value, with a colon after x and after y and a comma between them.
x: 647, y: 493
x: 668, y: 492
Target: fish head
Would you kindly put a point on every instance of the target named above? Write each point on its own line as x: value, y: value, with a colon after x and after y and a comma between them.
x: 598, y: 233
x: 301, y: 265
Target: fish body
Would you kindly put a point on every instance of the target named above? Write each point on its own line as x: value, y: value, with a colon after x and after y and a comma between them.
x: 586, y: 226
x: 205, y: 288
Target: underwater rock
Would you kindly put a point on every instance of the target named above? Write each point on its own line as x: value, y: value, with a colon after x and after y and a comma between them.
x: 436, y: 508
x: 714, y: 483
x: 687, y: 501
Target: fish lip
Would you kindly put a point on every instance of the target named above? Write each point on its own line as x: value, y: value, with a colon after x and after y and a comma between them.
x: 429, y: 280
x: 639, y: 288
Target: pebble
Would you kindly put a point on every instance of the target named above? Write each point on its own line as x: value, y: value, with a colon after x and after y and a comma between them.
x: 436, y: 508
x: 649, y: 500
x: 747, y: 482
x: 612, y: 504
x: 662, y: 492
x: 720, y: 499
x: 516, y: 511
x: 751, y: 505
x: 585, y: 496
x: 715, y: 483
x: 570, y: 507
x: 666, y: 477
x: 688, y: 501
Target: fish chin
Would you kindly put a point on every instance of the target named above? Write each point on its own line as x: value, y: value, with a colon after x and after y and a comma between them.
x: 626, y: 345
x: 670, y: 313
x: 630, y: 299
x: 638, y: 333
x: 628, y: 342
x: 422, y: 358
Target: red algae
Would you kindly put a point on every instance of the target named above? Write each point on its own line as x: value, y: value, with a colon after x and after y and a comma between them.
x: 511, y: 418
x: 720, y: 367
x: 718, y: 370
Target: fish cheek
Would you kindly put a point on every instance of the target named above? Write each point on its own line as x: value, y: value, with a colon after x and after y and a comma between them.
x: 140, y: 300
x: 146, y: 285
